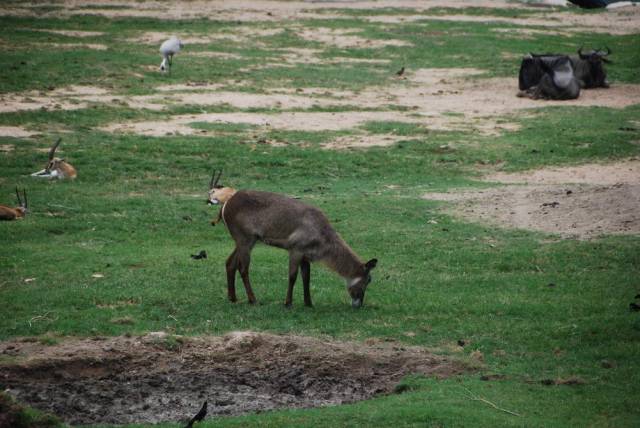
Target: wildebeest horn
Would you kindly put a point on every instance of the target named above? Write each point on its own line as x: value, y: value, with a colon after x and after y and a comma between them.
x: 602, y: 53
x: 53, y: 149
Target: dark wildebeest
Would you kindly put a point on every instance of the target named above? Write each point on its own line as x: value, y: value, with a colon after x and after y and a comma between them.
x: 589, y: 68
x: 279, y: 221
x: 548, y: 77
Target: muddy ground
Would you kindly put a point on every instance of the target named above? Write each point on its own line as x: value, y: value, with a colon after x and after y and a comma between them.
x: 581, y: 202
x: 158, y: 378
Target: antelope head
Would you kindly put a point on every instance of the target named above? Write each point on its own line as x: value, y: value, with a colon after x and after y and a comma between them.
x: 56, y: 167
x: 8, y: 213
x: 358, y: 285
x: 218, y: 194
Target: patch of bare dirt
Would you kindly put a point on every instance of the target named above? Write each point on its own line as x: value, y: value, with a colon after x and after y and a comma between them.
x: 574, y: 202
x: 211, y: 54
x: 626, y: 172
x: 67, y: 98
x: 237, y: 34
x: 237, y: 10
x: 346, y: 38
x: 16, y: 132
x: 302, y: 121
x: 363, y: 141
x: 191, y: 86
x: 154, y: 378
x: 620, y: 22
x: 74, y: 46
x: 69, y: 33
x: 616, y: 21
x: 439, y: 99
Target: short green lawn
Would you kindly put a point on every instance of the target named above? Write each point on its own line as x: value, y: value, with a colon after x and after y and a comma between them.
x: 137, y: 211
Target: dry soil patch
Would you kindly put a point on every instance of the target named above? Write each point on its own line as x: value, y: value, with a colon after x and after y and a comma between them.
x: 620, y: 22
x: 439, y: 99
x: 302, y: 121
x: 627, y: 172
x: 69, y: 33
x: 346, y: 38
x: 16, y: 132
x: 237, y: 10
x: 150, y: 379
x: 363, y: 141
x: 574, y: 202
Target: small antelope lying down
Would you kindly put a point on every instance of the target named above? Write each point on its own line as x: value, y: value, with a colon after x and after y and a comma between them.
x: 304, y: 231
x: 8, y: 213
x: 56, y: 167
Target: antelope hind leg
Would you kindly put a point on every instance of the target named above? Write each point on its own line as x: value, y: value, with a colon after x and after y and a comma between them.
x: 305, y: 270
x: 232, y: 267
x: 243, y: 260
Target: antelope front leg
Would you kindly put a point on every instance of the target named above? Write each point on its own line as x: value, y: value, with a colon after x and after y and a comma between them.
x: 305, y: 271
x: 294, y: 262
x: 217, y: 219
x: 232, y: 267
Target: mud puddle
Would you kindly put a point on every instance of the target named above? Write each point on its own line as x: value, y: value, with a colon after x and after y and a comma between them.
x: 158, y: 378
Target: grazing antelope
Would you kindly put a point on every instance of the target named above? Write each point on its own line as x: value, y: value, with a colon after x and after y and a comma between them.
x: 56, y: 167
x: 8, y: 213
x: 304, y: 231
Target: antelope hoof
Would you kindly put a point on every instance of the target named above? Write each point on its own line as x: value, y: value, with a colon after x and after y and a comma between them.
x: 288, y: 305
x: 233, y: 299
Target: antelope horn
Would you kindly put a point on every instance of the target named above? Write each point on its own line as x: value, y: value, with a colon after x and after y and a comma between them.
x: 218, y: 178
x: 26, y: 203
x: 211, y: 181
x: 18, y: 196
x: 53, y: 149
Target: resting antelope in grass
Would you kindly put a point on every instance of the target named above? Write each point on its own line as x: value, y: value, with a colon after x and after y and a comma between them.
x: 56, y: 167
x: 304, y: 231
x: 8, y: 213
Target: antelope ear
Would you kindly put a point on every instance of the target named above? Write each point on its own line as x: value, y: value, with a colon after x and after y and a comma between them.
x: 370, y: 265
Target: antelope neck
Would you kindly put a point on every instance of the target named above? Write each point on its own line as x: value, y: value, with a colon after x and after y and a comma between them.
x: 224, y: 205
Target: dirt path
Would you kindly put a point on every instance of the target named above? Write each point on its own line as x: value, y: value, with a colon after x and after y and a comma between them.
x: 618, y: 21
x: 581, y: 202
x: 438, y: 99
x: 154, y: 378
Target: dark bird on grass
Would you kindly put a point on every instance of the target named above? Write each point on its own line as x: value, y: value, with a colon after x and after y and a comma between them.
x: 199, y: 416
x: 400, y: 72
x: 201, y: 255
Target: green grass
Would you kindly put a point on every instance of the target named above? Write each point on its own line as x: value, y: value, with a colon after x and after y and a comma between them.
x: 136, y: 213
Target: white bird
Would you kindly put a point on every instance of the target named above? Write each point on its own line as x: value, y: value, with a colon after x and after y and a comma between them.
x: 168, y: 49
